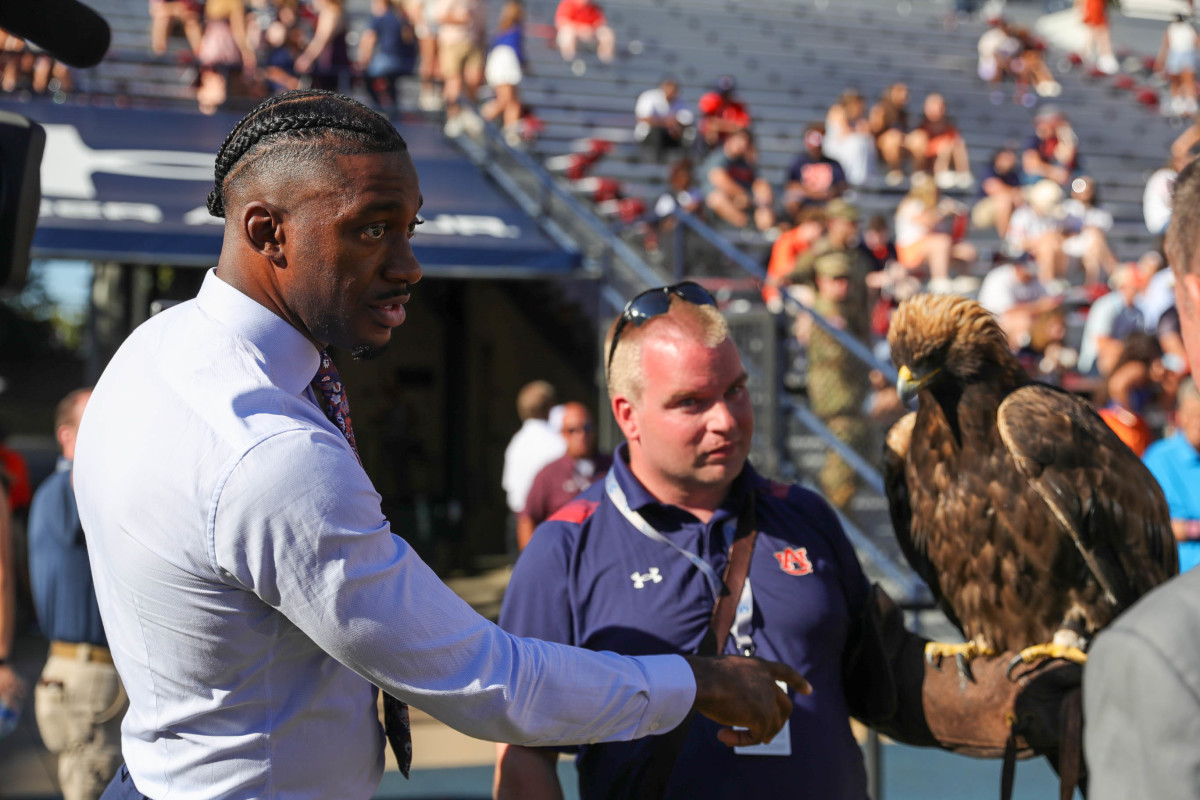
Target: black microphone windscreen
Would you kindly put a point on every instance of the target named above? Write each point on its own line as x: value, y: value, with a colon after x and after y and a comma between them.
x: 66, y: 29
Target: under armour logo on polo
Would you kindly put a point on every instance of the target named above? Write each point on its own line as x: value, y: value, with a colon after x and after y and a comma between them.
x: 640, y: 581
x: 794, y: 561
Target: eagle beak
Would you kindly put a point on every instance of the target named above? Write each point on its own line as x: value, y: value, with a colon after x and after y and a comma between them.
x: 909, y: 385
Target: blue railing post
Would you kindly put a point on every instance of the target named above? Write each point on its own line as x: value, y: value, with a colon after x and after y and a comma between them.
x: 678, y: 249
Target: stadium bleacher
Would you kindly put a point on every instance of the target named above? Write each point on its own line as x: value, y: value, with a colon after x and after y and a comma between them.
x: 791, y: 61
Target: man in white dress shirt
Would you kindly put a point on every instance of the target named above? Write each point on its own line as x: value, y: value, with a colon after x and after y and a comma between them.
x: 250, y: 585
x: 535, y: 444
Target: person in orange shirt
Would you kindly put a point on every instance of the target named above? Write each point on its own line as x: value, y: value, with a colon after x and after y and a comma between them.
x: 1136, y: 382
x: 791, y: 244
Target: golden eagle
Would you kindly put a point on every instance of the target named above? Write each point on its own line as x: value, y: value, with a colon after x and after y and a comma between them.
x: 1031, y: 522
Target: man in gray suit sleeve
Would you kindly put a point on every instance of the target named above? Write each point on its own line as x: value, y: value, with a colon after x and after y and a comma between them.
x: 1141, y: 687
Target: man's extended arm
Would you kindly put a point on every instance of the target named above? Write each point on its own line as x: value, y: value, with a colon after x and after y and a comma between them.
x: 329, y: 561
x: 729, y: 690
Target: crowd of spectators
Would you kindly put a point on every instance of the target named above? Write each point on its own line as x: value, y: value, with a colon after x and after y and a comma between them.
x: 26, y: 67
x: 1012, y: 53
x: 252, y: 48
x: 1075, y: 314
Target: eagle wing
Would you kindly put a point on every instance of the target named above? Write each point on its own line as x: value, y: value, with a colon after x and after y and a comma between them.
x: 1095, y: 486
x: 895, y: 479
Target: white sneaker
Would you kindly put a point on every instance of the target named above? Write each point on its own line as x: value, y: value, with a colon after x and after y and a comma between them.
x: 894, y: 178
x: 1108, y: 65
x: 1049, y: 89
x: 940, y: 286
x: 472, y: 125
x: 965, y: 284
x: 964, y: 180
x: 454, y: 127
x: 430, y: 100
x: 1057, y: 287
x: 946, y: 179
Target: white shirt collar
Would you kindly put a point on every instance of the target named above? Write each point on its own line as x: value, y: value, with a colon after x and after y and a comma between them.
x: 290, y: 359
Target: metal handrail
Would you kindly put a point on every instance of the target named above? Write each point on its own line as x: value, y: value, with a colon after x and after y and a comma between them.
x: 548, y: 187
x: 747, y: 264
x: 916, y: 592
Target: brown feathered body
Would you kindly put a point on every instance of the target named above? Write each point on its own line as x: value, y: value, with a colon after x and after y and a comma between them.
x: 1013, y: 500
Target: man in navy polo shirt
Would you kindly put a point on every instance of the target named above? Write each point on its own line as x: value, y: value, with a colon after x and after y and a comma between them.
x: 633, y: 565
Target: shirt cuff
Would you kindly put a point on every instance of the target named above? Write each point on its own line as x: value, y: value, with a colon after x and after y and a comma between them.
x: 672, y: 693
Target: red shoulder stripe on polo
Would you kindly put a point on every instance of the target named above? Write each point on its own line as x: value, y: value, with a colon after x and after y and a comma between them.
x: 775, y: 489
x: 575, y: 511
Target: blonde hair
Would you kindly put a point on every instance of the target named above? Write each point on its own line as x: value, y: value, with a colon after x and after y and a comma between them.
x: 924, y: 191
x: 703, y: 324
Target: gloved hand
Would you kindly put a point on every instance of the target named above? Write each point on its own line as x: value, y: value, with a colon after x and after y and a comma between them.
x: 891, y: 687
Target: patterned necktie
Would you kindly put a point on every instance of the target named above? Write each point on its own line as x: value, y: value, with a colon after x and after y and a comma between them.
x: 327, y: 386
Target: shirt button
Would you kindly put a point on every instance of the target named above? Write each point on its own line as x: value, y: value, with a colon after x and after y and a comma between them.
x: 653, y: 726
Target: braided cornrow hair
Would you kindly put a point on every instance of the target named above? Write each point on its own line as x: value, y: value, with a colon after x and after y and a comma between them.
x: 303, y: 115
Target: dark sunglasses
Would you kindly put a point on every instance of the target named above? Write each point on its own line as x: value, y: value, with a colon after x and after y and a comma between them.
x: 654, y: 302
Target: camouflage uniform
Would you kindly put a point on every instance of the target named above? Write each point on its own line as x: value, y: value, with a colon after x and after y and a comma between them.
x: 838, y: 383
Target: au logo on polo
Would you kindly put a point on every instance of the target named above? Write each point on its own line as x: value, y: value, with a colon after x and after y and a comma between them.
x: 794, y: 561
x: 641, y: 579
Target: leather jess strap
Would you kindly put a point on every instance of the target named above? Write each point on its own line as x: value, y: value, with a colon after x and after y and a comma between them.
x: 652, y: 781
x: 734, y: 579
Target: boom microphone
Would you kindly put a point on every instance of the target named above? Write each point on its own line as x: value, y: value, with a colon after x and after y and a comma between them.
x: 66, y: 29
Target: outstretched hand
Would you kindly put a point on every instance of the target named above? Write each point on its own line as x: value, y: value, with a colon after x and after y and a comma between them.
x: 737, y: 691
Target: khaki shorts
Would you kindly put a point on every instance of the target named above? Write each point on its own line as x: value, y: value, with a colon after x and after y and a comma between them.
x: 79, y: 706
x: 460, y: 57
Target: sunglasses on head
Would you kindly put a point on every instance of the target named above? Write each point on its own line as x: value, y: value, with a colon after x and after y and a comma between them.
x: 655, y: 302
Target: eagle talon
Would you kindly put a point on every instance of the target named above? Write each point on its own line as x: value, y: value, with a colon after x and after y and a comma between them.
x: 936, y: 651
x: 1016, y: 661
x: 1039, y: 651
x: 964, y: 669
